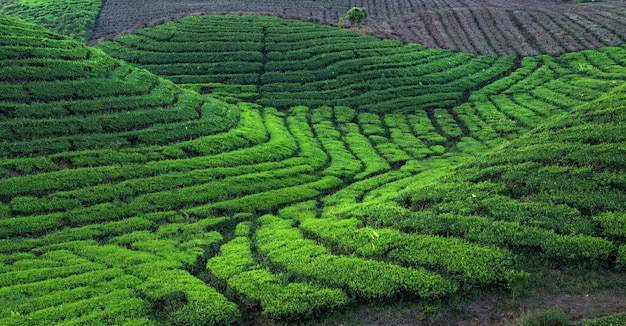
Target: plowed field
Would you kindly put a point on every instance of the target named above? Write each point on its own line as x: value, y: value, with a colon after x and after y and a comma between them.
x: 477, y: 26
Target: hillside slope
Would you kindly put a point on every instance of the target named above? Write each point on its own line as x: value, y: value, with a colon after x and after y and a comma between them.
x: 58, y: 96
x: 125, y: 199
x: 285, y: 63
x: 74, y: 122
x: 76, y: 18
x: 475, y: 26
x: 556, y: 193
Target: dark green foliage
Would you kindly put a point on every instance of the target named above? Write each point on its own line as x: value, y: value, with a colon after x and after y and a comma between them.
x: 76, y: 20
x: 119, y: 189
x: 282, y: 243
x: 236, y: 265
x: 466, y: 262
x: 185, y: 300
x: 620, y: 262
x: 295, y: 63
x: 614, y: 225
x: 81, y: 91
x: 356, y: 15
x: 612, y: 320
x: 550, y: 179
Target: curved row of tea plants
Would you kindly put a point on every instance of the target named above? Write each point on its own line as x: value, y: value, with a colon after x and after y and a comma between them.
x: 284, y: 63
x: 557, y: 191
x: 58, y: 97
x: 196, y: 226
x: 388, y: 74
x: 76, y: 19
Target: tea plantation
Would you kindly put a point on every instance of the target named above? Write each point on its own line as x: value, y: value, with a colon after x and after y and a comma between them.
x: 233, y: 169
x: 76, y: 18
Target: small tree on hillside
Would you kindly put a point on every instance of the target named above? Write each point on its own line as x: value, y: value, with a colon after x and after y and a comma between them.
x: 341, y: 23
x: 356, y: 15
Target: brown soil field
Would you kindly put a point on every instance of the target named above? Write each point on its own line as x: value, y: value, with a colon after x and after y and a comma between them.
x: 522, y: 27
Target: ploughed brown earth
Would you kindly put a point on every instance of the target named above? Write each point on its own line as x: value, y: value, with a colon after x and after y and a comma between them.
x: 522, y: 27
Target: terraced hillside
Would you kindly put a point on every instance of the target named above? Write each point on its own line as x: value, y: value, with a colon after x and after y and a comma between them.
x: 315, y: 66
x: 71, y: 117
x: 475, y: 26
x: 76, y: 18
x: 126, y: 199
x: 281, y: 63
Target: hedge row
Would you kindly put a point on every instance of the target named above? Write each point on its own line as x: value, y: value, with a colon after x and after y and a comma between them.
x: 611, y: 320
x: 134, y: 41
x: 595, y: 64
x: 466, y: 262
x: 267, y: 201
x: 29, y: 38
x: 173, y: 115
x: 185, y: 109
x: 364, y: 151
x: 167, y: 181
x: 322, y: 114
x: 162, y: 95
x: 17, y: 71
x: 365, y: 279
x: 402, y: 134
x: 448, y: 124
x: 216, y: 191
x: 235, y: 265
x: 497, y: 120
x: 94, y: 231
x: 581, y: 93
x: 249, y: 131
x: 26, y: 305
x: 319, y: 65
x: 541, y: 87
x: 613, y: 224
x: 554, y: 97
x: 152, y: 176
x: 77, y: 21
x: 490, y: 200
x: 524, y: 116
x: 16, y: 52
x: 536, y: 78
x: 390, y: 151
x: 353, y: 193
x: 170, y: 31
x: 343, y: 163
x: 424, y: 129
x: 309, y: 146
x: 220, y: 190
x: 145, y: 57
x: 186, y: 300
x: 559, y: 249
x: 118, y: 306
x: 525, y: 67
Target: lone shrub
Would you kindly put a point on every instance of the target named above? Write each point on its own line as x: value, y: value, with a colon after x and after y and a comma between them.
x: 356, y: 15
x: 550, y: 317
